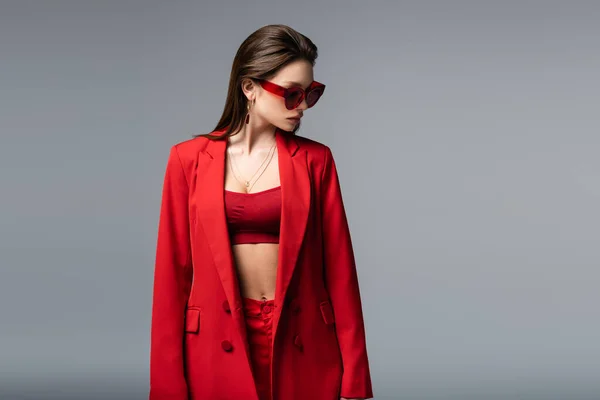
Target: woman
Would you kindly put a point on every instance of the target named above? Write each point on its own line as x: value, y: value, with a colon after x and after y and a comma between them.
x: 255, y: 287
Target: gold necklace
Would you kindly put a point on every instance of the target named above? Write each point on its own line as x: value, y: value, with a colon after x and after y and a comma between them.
x: 246, y: 183
x: 271, y: 158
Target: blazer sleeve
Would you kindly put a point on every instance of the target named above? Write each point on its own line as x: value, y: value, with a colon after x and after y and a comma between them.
x: 172, y: 284
x: 341, y: 281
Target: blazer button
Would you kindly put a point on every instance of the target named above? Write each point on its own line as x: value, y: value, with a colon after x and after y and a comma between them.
x: 226, y: 345
x: 298, y: 342
x: 226, y: 306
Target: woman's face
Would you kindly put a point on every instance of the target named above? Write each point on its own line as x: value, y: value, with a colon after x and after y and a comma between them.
x: 270, y: 108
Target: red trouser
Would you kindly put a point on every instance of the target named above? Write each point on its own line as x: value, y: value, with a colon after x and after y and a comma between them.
x: 259, y: 325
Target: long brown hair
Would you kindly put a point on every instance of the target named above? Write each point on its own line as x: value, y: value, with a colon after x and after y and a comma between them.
x: 260, y: 56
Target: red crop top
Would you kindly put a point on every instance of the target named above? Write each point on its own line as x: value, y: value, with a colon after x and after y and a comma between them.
x: 253, y: 217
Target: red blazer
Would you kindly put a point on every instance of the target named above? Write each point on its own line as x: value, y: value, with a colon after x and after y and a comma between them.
x: 199, y: 349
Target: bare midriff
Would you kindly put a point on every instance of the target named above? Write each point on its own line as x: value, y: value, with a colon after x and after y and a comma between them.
x: 256, y: 265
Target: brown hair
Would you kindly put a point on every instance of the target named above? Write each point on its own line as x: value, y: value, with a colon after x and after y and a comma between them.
x: 260, y: 56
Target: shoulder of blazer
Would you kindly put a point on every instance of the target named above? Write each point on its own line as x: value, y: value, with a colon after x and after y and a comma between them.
x: 188, y: 152
x: 188, y: 149
x: 316, y: 152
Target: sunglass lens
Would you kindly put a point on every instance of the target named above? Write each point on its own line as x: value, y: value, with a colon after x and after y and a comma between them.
x: 313, y: 96
x: 293, y: 99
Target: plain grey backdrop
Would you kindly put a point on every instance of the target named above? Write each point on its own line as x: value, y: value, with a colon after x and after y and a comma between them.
x: 466, y: 137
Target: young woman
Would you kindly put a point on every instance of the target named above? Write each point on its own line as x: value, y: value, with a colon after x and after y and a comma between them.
x: 256, y: 294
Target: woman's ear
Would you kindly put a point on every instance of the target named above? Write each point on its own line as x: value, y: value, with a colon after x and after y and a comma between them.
x: 249, y: 88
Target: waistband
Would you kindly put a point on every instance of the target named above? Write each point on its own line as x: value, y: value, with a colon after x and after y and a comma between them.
x: 256, y: 306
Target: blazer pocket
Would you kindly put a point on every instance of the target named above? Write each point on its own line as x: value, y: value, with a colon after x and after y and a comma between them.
x: 192, y: 320
x: 327, y: 312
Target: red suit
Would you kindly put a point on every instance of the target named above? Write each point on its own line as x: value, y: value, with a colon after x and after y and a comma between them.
x: 199, y: 334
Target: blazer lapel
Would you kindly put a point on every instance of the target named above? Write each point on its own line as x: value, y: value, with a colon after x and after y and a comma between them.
x: 211, y: 217
x: 296, y: 199
x: 295, y: 206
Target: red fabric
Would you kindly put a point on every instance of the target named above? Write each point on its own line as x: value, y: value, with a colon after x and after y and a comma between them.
x: 253, y: 217
x: 199, y: 347
x: 259, y: 325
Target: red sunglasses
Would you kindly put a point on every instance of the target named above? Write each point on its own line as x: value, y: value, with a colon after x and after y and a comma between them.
x: 293, y: 96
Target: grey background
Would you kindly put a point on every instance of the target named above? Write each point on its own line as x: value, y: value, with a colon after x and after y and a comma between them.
x: 466, y: 137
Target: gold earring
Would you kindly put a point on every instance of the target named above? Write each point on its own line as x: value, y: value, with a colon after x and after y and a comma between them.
x: 248, y: 108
